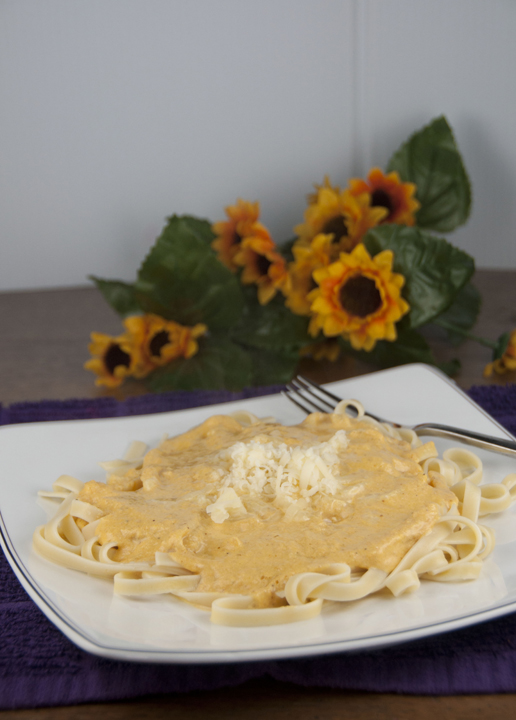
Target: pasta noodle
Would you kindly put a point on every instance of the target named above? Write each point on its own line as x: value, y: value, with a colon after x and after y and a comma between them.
x: 271, y: 477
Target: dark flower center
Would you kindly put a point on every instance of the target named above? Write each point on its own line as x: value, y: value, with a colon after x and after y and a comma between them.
x: 263, y: 265
x: 337, y: 227
x: 380, y: 198
x: 158, y: 341
x: 237, y: 239
x: 360, y: 296
x: 114, y: 357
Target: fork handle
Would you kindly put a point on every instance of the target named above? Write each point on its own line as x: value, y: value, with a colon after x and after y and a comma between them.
x: 486, y: 442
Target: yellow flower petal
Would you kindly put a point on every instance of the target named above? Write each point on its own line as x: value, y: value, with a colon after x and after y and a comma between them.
x: 113, y: 358
x: 507, y: 362
x: 263, y: 265
x: 242, y: 223
x: 389, y: 194
x: 157, y: 341
x: 359, y: 298
x: 340, y: 212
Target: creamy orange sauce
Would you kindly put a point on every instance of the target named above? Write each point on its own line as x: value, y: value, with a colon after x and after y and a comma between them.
x: 383, y: 504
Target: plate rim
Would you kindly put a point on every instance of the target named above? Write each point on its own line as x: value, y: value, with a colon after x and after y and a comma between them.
x: 83, y: 640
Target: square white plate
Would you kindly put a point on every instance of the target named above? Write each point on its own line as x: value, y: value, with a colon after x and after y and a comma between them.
x: 164, y: 629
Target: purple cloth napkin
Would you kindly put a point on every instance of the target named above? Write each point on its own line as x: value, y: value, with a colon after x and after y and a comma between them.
x: 40, y: 667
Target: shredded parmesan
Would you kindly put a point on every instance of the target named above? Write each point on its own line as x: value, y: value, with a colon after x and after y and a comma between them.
x: 227, y: 500
x: 287, y: 476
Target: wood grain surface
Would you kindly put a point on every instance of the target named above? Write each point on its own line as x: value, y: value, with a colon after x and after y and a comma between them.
x: 43, y: 344
x: 271, y: 700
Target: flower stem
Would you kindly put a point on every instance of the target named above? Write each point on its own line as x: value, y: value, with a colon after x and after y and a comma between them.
x: 454, y: 328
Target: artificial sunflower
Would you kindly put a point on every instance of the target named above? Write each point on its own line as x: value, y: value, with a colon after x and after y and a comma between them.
x: 264, y: 266
x: 359, y: 298
x: 159, y: 341
x: 389, y: 193
x: 113, y: 358
x: 345, y: 215
x: 242, y: 223
x: 507, y: 361
x: 307, y: 258
x: 312, y: 198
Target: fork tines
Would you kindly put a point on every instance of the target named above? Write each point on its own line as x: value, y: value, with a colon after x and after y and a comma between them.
x: 309, y: 396
x: 300, y: 379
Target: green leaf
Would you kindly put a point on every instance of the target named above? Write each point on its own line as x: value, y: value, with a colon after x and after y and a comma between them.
x: 201, y: 228
x: 501, y: 345
x: 286, y: 249
x: 182, y: 280
x: 462, y: 313
x: 119, y: 295
x: 273, y: 368
x: 431, y: 160
x: 434, y: 270
x: 219, y: 364
x: 272, y: 326
x: 451, y: 367
x: 410, y: 347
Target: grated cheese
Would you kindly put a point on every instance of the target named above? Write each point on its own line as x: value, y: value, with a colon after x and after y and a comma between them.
x: 287, y: 476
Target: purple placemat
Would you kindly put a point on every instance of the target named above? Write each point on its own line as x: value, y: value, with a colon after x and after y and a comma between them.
x: 39, y: 666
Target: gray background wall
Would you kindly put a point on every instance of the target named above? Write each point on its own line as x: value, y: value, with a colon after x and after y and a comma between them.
x: 117, y: 113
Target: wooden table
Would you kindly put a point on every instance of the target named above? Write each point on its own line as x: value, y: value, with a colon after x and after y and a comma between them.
x: 44, y: 342
x: 43, y: 345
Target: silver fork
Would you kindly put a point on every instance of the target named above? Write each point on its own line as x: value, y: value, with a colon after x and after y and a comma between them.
x: 311, y: 397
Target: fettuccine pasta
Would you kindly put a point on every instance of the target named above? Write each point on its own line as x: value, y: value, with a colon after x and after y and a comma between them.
x: 263, y: 523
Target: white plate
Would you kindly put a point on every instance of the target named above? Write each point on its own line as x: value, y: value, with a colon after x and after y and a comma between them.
x: 163, y: 629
